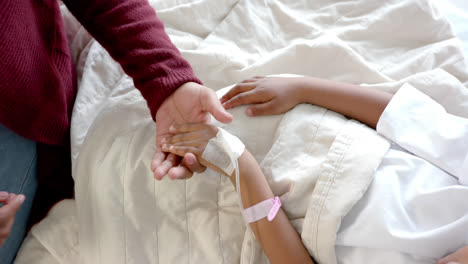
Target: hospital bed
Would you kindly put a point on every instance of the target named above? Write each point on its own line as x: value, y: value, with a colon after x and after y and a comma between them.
x: 121, y: 215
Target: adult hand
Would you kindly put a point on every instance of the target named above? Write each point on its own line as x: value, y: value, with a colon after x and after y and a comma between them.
x: 459, y: 257
x: 190, y: 103
x: 268, y: 95
x: 11, y: 204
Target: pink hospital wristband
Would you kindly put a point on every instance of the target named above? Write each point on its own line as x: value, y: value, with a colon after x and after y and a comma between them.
x: 268, y: 208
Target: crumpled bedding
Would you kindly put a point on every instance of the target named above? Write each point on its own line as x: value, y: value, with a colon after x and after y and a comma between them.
x: 317, y: 161
x: 125, y: 216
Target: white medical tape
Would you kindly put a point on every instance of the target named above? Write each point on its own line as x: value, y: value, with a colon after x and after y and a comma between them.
x: 223, y: 150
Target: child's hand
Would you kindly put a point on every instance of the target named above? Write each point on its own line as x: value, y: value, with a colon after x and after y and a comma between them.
x: 189, y: 138
x: 270, y: 95
x: 459, y: 257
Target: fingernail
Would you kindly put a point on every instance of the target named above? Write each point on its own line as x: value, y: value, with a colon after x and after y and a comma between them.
x: 249, y: 112
x: 171, y: 128
x: 3, y: 195
x: 190, y: 161
x: 164, y: 140
x: 20, y: 198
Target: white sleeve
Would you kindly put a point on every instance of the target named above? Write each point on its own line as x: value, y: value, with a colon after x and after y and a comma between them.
x: 422, y: 126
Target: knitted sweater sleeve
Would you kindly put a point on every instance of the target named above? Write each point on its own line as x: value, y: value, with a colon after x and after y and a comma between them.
x: 133, y: 35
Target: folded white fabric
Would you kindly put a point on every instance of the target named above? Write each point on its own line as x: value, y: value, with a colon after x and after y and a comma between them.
x: 422, y: 126
x: 415, y: 208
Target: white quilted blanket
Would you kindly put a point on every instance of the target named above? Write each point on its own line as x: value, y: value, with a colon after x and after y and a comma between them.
x: 319, y: 162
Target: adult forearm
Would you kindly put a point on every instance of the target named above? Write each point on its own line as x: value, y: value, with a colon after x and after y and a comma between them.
x: 278, y: 238
x: 357, y: 102
x: 135, y: 37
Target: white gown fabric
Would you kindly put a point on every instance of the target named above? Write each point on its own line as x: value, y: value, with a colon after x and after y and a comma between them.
x: 416, y: 208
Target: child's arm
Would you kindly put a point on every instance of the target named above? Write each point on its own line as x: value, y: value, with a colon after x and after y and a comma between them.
x: 274, y: 95
x: 279, y: 240
x: 412, y: 120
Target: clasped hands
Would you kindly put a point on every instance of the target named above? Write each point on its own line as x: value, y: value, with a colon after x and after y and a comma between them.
x: 193, y: 103
x: 190, y: 103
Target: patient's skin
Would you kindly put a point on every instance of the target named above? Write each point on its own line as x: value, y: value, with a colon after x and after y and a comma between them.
x: 458, y: 257
x: 276, y: 95
x: 278, y: 238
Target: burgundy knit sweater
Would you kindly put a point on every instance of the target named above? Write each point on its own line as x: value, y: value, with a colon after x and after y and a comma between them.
x: 37, y: 75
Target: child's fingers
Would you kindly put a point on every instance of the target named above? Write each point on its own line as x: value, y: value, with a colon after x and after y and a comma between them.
x: 249, y: 97
x: 253, y: 79
x: 201, y: 135
x: 182, y: 137
x: 239, y: 88
x: 187, y: 128
x: 194, y: 144
x: 204, y: 133
x: 182, y: 150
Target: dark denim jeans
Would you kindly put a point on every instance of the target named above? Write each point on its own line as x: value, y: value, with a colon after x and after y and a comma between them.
x: 18, y: 163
